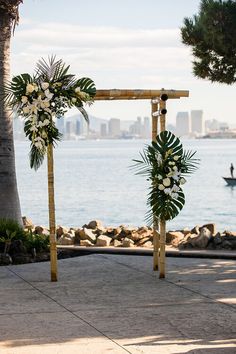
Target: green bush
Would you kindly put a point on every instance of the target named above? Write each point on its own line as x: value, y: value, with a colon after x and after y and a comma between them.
x: 10, y: 230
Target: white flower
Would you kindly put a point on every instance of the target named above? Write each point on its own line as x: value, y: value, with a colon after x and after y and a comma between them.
x: 29, y: 88
x: 48, y: 94
x: 33, y: 109
x: 46, y: 122
x: 175, y: 188
x: 182, y: 180
x: 44, y: 85
x: 24, y: 99
x: 161, y: 187
x: 171, y: 163
x: 33, y: 128
x: 167, y: 191
x: 26, y: 110
x: 174, y: 195
x: 40, y: 124
x: 74, y: 99
x: 77, y: 90
x: 38, y: 145
x: 159, y: 177
x: 166, y: 182
x: 176, y: 157
x: 158, y: 158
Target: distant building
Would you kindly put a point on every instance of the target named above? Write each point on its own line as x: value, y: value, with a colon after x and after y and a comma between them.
x: 60, y: 124
x: 182, y: 124
x: 103, y: 129
x: 77, y: 127
x: 114, y: 127
x: 146, y: 131
x: 197, y: 122
x: 68, y: 130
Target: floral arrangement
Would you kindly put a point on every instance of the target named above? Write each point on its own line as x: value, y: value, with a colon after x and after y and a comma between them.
x: 166, y: 165
x: 42, y: 98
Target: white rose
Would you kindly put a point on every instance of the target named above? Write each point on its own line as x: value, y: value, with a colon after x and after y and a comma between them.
x: 167, y: 191
x: 174, y: 195
x: 48, y: 94
x: 166, y: 182
x: 46, y: 122
x: 44, y: 85
x: 29, y: 88
x: 161, y: 187
x: 175, y: 188
x: 26, y: 110
x: 176, y: 157
x: 77, y: 89
x: 182, y: 180
x: 24, y: 99
x: 74, y: 99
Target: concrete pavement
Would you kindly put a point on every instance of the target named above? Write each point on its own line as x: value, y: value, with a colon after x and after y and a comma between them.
x: 106, y: 303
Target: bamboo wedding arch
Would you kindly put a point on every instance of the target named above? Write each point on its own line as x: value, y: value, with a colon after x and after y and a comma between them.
x: 158, y: 110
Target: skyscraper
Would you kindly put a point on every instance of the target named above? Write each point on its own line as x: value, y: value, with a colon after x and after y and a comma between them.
x: 114, y: 127
x: 197, y: 121
x: 182, y: 124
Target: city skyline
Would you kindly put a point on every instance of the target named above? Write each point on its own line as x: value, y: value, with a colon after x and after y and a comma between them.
x: 142, y: 51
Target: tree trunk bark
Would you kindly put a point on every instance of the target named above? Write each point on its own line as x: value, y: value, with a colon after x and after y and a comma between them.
x: 9, y: 199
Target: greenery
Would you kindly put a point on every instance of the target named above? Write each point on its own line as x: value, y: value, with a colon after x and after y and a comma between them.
x: 10, y: 230
x: 165, y: 164
x: 41, y: 98
x: 211, y: 34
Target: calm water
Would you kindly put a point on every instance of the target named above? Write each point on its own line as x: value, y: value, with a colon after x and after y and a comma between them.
x: 93, y: 181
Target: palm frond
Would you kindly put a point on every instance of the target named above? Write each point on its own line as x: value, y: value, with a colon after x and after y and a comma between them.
x: 86, y: 85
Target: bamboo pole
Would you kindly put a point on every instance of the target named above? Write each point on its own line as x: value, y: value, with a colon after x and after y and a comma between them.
x: 162, y: 222
x: 156, y: 244
x: 51, y: 207
x: 162, y: 248
x: 128, y: 94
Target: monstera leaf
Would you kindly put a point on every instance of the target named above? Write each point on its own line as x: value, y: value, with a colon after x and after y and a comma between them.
x: 165, y: 164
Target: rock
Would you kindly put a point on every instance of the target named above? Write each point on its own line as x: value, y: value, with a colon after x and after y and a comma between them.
x: 40, y: 230
x: 185, y: 231
x: 27, y: 223
x: 148, y: 244
x: 230, y: 234
x: 87, y: 234
x: 71, y: 232
x: 66, y: 240
x: 217, y: 239
x: 117, y: 230
x: 101, y: 231
x: 127, y: 242
x: 211, y: 227
x: 61, y: 230
x: 129, y: 230
x: 195, y: 230
x: 77, y: 236
x: 103, y: 241
x: 141, y: 242
x: 174, y: 237
x: 201, y: 240
x: 5, y: 259
x: 85, y: 243
x: 116, y: 243
x: 94, y: 224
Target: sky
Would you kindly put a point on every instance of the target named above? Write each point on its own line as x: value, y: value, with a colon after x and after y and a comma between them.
x: 125, y: 44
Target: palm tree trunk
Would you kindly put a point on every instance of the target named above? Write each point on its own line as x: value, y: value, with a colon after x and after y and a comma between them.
x: 52, y: 219
x: 10, y: 204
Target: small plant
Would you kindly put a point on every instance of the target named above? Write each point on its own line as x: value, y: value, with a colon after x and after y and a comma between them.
x: 7, y: 239
x: 38, y: 242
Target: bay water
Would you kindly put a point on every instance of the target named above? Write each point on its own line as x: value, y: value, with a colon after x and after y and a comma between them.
x: 93, y: 180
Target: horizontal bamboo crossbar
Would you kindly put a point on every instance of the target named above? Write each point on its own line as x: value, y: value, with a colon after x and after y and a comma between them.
x: 116, y: 94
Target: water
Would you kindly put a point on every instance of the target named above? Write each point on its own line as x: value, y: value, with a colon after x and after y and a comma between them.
x: 93, y: 181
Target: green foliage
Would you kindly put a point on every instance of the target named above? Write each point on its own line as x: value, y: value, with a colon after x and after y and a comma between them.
x: 39, y: 242
x: 211, y: 34
x: 165, y: 164
x: 11, y: 227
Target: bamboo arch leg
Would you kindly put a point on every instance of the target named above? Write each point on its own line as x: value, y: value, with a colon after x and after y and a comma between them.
x: 156, y: 245
x: 162, y: 248
x: 51, y: 207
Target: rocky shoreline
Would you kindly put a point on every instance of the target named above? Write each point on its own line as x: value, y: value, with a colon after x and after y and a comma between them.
x: 96, y: 234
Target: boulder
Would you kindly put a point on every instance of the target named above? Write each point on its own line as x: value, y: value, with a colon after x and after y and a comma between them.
x: 127, y: 242
x: 174, y: 237
x: 196, y: 230
x: 217, y: 239
x: 85, y: 243
x: 87, y: 234
x: 211, y: 227
x: 103, y: 241
x: 94, y: 224
x: 116, y: 243
x: 61, y: 230
x: 201, y: 240
x: 148, y: 244
x: 141, y: 242
x: 66, y: 240
x: 40, y: 230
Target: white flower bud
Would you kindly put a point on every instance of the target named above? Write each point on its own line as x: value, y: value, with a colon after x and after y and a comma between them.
x: 161, y: 187
x: 166, y: 182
